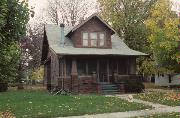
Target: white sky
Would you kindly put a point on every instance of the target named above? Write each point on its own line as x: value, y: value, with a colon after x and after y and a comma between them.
x: 41, y: 5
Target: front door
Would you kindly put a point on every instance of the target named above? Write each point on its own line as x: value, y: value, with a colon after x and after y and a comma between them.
x: 103, y: 76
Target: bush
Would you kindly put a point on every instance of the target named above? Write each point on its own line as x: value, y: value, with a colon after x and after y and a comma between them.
x: 134, y: 86
x: 3, y: 87
x: 37, y: 74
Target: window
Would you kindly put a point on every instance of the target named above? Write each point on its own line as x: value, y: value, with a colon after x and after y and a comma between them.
x: 102, y: 39
x: 85, y: 39
x: 122, y: 66
x: 93, y: 35
x: 81, y: 66
x: 68, y: 67
x: 92, y: 67
x: 93, y: 39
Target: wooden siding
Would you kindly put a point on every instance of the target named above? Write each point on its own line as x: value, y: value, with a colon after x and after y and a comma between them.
x: 54, y: 68
x: 89, y: 82
x: 93, y: 25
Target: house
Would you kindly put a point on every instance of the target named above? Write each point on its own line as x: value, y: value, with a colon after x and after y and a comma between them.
x: 87, y: 58
x: 167, y: 79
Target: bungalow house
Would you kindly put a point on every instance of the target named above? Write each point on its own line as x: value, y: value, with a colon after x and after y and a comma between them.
x: 87, y: 58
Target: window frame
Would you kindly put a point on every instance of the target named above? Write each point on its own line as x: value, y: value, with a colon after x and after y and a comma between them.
x: 98, y: 40
x: 84, y: 39
x: 93, y: 39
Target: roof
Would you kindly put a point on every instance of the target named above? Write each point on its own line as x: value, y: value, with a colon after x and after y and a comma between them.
x: 92, y: 16
x: 118, y: 46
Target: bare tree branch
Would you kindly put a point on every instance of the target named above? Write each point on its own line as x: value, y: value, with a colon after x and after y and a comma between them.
x: 69, y: 12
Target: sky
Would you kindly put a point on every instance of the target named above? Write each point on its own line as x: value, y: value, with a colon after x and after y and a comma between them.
x: 41, y: 5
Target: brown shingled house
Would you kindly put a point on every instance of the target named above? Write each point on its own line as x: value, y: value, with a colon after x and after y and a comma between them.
x: 87, y: 58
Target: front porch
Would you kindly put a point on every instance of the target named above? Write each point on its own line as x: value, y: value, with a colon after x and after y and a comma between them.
x: 96, y: 74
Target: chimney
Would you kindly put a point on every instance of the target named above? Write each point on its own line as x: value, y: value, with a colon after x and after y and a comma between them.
x: 62, y: 34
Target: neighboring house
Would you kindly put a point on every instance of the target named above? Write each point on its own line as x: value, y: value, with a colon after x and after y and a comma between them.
x: 167, y: 79
x: 87, y: 58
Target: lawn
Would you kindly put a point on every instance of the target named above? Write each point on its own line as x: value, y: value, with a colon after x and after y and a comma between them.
x: 166, y: 115
x: 166, y: 98
x: 31, y: 104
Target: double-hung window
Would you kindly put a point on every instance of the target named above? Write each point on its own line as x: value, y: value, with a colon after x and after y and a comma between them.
x: 101, y: 39
x: 93, y: 38
x: 85, y: 39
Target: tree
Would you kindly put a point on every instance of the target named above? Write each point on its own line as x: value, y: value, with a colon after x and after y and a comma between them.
x: 69, y: 12
x: 127, y: 17
x: 163, y: 35
x: 13, y: 19
x: 32, y: 45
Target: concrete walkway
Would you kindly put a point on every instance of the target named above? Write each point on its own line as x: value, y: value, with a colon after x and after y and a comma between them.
x: 158, y: 109
x: 154, y: 105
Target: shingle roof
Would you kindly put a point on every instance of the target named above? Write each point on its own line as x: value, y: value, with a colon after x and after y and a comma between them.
x: 93, y: 15
x: 118, y: 46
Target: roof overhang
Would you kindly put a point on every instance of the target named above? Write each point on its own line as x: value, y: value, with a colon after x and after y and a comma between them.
x: 89, y: 18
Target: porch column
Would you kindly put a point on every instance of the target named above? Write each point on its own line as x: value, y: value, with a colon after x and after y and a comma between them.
x: 98, y: 70
x: 74, y: 76
x: 108, y: 70
x: 74, y: 67
x: 128, y: 66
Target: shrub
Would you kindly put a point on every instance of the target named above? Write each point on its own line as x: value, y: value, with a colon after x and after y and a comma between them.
x: 134, y: 86
x: 3, y: 87
x: 37, y: 74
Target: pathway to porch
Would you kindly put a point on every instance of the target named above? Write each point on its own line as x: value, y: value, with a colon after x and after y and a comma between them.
x: 157, y: 109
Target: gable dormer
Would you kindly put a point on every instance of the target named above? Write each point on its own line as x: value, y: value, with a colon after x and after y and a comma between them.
x: 92, y: 33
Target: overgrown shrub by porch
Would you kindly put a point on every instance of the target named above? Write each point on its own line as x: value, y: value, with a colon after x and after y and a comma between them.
x: 31, y: 104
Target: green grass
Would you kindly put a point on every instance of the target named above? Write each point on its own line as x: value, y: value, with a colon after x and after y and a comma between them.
x: 166, y: 115
x: 166, y: 98
x: 32, y: 104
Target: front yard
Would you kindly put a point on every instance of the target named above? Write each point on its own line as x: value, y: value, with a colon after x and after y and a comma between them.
x: 167, y: 98
x: 29, y: 104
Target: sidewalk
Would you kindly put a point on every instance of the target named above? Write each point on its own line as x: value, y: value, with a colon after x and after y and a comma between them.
x: 130, y: 113
x: 158, y: 109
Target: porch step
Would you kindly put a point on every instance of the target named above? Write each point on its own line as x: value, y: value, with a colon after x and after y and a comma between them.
x: 109, y: 89
x: 114, y: 87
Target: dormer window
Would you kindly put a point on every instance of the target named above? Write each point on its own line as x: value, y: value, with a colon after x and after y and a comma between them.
x: 102, y: 39
x: 93, y: 39
x: 85, y: 39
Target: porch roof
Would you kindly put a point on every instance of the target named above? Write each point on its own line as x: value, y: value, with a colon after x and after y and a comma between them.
x: 53, y: 37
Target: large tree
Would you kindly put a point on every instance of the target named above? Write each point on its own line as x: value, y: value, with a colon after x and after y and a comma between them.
x: 69, y: 12
x: 127, y: 17
x: 163, y: 35
x: 14, y: 16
